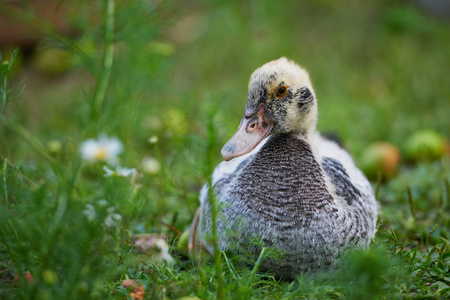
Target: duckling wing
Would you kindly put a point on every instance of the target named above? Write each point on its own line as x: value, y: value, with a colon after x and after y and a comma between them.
x: 349, y: 182
x: 340, y: 179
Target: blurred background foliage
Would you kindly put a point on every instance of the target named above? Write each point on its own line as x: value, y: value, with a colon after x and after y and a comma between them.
x: 380, y: 73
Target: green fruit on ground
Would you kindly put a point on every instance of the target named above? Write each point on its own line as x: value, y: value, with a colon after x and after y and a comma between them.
x: 424, y: 145
x: 183, y: 241
x: 176, y: 121
x: 380, y: 158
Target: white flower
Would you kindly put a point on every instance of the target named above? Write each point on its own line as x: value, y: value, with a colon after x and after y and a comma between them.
x: 103, y: 149
x: 119, y: 172
x: 150, y: 165
x: 109, y: 222
x: 102, y: 202
x: 89, y: 212
x: 112, y: 220
x: 153, y: 139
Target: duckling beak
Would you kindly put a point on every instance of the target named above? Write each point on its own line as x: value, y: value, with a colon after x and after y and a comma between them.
x: 253, y: 129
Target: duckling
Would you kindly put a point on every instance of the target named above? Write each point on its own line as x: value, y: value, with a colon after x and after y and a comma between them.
x: 284, y: 183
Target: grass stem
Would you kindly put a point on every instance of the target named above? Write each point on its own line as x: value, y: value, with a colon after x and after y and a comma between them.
x: 4, y: 95
x: 214, y: 207
x: 108, y: 53
x: 257, y: 264
x: 5, y: 164
x: 4, y: 211
x: 31, y: 140
x: 5, y: 69
x: 427, y: 239
x: 230, y: 266
x: 217, y: 259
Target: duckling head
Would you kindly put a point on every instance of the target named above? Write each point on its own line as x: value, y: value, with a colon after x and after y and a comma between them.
x: 280, y: 99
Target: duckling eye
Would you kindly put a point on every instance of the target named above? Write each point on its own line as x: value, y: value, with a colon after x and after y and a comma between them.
x: 281, y: 91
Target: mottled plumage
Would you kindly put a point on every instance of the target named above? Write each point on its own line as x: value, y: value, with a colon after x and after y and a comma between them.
x: 283, y: 182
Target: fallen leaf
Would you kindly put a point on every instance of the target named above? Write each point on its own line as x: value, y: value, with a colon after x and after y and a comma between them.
x: 137, y: 290
x: 129, y: 283
x: 27, y: 275
x: 138, y: 293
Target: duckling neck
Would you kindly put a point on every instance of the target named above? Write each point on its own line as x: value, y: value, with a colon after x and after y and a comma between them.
x: 282, y: 182
x: 306, y: 126
x: 305, y: 136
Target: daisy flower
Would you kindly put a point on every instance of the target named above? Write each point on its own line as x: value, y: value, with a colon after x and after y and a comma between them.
x: 112, y: 219
x: 119, y: 172
x: 89, y: 212
x: 103, y: 149
x: 102, y: 202
x: 150, y: 166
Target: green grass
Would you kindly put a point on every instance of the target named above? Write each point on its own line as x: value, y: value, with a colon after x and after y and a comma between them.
x: 179, y: 72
